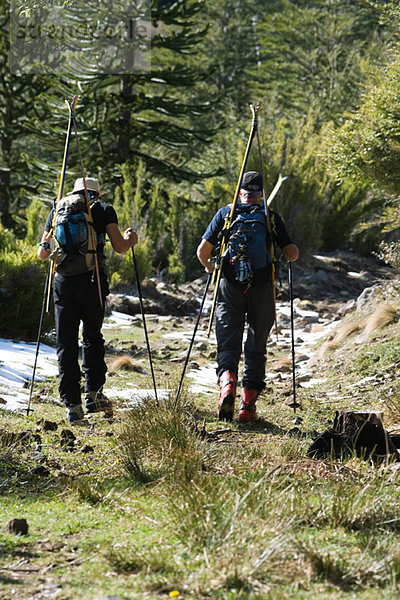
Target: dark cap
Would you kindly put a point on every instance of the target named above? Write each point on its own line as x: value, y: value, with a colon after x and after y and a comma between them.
x: 252, y: 182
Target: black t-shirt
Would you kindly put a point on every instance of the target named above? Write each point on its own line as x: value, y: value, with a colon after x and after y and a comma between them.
x: 102, y: 214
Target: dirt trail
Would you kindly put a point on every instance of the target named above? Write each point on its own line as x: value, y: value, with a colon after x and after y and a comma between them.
x: 325, y: 289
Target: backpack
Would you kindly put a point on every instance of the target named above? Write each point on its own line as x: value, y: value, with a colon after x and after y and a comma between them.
x: 247, y: 242
x: 75, y: 252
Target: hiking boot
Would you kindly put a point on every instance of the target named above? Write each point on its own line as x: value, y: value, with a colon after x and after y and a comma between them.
x: 227, y: 383
x: 97, y: 402
x: 247, y: 409
x: 75, y: 414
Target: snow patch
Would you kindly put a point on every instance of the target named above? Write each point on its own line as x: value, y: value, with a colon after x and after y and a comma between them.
x: 17, y: 360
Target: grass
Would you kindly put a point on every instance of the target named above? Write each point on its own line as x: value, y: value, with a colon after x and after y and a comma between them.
x: 221, y: 512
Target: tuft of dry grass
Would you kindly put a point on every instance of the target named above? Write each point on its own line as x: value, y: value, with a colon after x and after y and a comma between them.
x: 384, y: 315
x: 347, y: 330
x: 328, y: 347
x: 343, y: 332
x: 284, y: 364
x: 381, y: 317
x: 125, y: 363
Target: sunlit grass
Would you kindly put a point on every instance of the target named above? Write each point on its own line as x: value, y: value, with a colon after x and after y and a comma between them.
x: 161, y: 504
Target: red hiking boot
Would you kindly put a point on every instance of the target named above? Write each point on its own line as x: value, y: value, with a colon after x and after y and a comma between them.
x: 227, y: 383
x: 247, y: 410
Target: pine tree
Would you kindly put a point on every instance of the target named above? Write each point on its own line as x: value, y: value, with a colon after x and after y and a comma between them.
x: 147, y: 115
x: 19, y: 95
x: 234, y: 39
x: 150, y: 114
x: 366, y: 147
x: 312, y: 55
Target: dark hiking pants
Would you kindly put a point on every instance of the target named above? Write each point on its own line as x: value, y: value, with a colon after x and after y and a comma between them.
x: 76, y: 299
x: 234, y: 308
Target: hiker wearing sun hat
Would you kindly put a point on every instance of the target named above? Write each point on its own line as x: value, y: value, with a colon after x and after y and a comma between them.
x: 75, y: 290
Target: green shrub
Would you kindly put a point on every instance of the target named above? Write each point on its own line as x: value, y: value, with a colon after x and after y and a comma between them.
x: 120, y: 266
x: 36, y: 215
x: 22, y: 278
x: 176, y: 268
x: 7, y: 239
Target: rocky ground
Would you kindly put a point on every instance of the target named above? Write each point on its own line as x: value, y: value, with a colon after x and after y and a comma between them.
x: 326, y: 287
x: 331, y: 279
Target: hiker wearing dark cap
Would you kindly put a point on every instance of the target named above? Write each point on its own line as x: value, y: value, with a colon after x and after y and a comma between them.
x: 245, y: 293
x: 76, y: 291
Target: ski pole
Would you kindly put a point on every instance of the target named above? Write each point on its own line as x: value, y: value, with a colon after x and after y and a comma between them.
x: 217, y: 273
x: 192, y: 340
x: 294, y: 404
x: 52, y: 264
x: 96, y: 262
x: 267, y: 215
x: 139, y: 288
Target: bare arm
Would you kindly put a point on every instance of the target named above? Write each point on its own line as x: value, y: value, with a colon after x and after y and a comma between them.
x: 291, y: 252
x: 41, y: 252
x: 121, y: 243
x: 204, y: 253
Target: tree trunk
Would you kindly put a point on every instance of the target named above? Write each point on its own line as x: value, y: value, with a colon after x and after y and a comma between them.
x: 5, y: 177
x: 124, y: 136
x: 355, y: 433
x: 363, y: 432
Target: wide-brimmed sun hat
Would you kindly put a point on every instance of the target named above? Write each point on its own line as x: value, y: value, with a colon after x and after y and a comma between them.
x: 92, y: 185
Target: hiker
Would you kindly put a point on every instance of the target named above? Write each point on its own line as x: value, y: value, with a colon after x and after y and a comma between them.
x: 245, y: 292
x: 76, y: 292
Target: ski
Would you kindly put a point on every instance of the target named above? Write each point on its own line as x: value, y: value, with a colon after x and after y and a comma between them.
x: 276, y: 189
x: 71, y: 107
x: 218, y: 271
x: 53, y: 261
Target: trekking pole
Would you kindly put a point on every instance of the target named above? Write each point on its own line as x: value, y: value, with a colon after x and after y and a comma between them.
x: 294, y: 404
x: 96, y: 262
x: 192, y: 340
x: 139, y: 288
x: 217, y: 273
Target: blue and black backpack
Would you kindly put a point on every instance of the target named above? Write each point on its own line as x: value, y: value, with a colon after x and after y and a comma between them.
x: 247, y: 243
x: 75, y: 248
